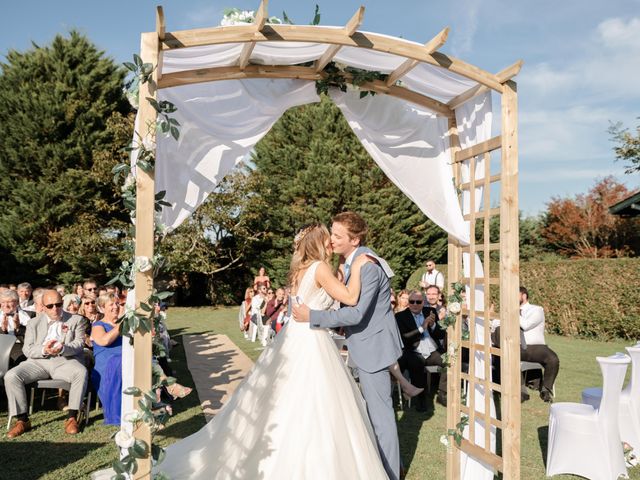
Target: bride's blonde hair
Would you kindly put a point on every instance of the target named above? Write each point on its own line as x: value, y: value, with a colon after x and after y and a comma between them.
x: 309, y: 245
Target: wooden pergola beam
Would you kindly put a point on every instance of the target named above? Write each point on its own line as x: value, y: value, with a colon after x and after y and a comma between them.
x: 502, y: 76
x: 213, y: 74
x: 350, y: 28
x: 160, y: 31
x: 432, y: 45
x: 316, y: 34
x: 258, y: 25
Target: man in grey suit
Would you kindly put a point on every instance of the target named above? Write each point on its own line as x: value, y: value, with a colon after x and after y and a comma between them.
x: 53, y: 346
x: 372, y: 333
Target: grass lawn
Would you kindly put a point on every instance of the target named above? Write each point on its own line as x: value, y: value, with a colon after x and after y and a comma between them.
x: 61, y: 457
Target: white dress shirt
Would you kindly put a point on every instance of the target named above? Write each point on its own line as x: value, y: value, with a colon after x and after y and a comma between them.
x: 427, y: 344
x: 532, y: 323
x: 434, y: 278
x: 55, y: 332
x: 23, y: 318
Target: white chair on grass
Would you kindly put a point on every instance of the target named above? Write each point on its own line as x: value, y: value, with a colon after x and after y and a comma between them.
x: 629, y: 418
x: 586, y: 441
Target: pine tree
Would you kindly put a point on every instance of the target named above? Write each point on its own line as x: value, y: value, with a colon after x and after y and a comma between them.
x: 64, y: 118
x: 311, y: 166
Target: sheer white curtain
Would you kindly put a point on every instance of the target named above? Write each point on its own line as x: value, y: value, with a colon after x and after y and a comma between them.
x: 410, y: 144
x: 220, y: 124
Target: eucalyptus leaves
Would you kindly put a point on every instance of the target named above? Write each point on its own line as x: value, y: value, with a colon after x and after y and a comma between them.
x: 340, y: 76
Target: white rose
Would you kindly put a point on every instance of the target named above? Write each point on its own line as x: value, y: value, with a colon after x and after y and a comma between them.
x: 129, y: 183
x: 444, y: 439
x: 455, y: 308
x: 143, y: 264
x: 132, y: 416
x: 149, y: 142
x: 124, y: 440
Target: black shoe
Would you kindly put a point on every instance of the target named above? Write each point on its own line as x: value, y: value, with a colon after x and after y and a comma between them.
x: 546, y: 395
x: 441, y: 398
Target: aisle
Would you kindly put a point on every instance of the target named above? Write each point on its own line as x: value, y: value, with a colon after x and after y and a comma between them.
x: 217, y: 366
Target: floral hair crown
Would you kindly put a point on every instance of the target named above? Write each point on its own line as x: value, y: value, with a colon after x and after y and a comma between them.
x: 303, y: 233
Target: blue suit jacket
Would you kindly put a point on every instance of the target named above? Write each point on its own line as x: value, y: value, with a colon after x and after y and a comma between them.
x: 372, y: 333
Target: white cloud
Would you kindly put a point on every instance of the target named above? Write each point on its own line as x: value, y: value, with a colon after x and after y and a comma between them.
x: 616, y: 33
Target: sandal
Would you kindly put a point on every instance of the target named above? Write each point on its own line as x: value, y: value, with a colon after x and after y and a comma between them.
x: 178, y: 391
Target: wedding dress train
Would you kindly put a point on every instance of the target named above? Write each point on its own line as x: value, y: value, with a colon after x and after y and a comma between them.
x: 298, y: 415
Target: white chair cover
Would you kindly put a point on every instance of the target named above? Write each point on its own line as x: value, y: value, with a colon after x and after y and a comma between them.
x: 629, y: 419
x: 586, y: 441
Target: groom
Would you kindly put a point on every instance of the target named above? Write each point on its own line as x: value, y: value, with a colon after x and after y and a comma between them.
x: 372, y: 333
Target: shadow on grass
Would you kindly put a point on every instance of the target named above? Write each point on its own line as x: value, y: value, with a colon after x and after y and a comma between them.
x: 34, y: 463
x: 543, y: 439
x: 409, y: 427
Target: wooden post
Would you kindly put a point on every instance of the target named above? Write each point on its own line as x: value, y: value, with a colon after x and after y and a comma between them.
x: 145, y: 198
x: 509, y: 285
x: 454, y: 333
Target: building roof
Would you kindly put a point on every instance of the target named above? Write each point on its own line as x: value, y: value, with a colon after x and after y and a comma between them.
x: 629, y: 207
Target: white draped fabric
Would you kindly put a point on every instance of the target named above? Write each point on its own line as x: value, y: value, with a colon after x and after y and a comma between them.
x: 410, y: 144
x: 222, y: 121
x: 220, y: 124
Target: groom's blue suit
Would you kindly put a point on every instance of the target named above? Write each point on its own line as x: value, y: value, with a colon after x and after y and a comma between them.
x: 374, y: 344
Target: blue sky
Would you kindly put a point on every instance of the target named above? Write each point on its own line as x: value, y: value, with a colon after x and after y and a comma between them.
x: 581, y: 70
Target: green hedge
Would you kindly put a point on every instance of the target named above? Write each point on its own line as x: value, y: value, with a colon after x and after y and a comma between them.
x: 593, y: 298
x: 597, y: 298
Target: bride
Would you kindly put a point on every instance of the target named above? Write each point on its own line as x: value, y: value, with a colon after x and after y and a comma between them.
x: 298, y: 413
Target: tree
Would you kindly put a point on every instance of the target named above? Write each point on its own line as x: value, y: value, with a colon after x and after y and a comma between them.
x: 311, y: 166
x: 64, y: 119
x: 583, y: 227
x: 216, y: 240
x: 628, y: 149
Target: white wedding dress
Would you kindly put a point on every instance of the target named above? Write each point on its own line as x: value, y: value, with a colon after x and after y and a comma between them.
x: 298, y: 415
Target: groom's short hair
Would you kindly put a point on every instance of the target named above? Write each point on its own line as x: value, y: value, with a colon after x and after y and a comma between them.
x: 355, y: 225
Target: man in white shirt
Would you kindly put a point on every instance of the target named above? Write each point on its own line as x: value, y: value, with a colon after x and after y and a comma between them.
x: 432, y: 276
x: 53, y: 346
x: 532, y: 324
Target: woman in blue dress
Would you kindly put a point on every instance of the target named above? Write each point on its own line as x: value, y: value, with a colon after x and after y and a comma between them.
x: 106, y: 376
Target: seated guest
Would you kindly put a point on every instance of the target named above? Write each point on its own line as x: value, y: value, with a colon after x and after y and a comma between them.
x: 433, y: 296
x: 89, y: 309
x: 53, y: 347
x: 420, y: 335
x: 24, y: 292
x: 70, y: 303
x: 403, y: 301
x: 106, y: 375
x: 13, y: 321
x: 536, y: 350
x: 275, y: 305
x: 38, y: 306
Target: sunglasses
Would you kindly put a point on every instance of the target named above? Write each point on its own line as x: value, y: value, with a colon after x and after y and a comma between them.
x: 415, y: 302
x: 52, y: 305
x: 88, y: 303
x: 91, y: 289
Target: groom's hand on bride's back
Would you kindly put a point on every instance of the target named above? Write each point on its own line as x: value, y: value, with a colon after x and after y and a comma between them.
x: 301, y: 312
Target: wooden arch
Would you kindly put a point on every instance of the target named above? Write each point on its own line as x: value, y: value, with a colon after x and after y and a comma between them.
x: 154, y: 44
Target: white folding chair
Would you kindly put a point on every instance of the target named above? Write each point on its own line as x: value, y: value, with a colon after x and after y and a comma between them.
x: 629, y: 419
x: 586, y: 441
